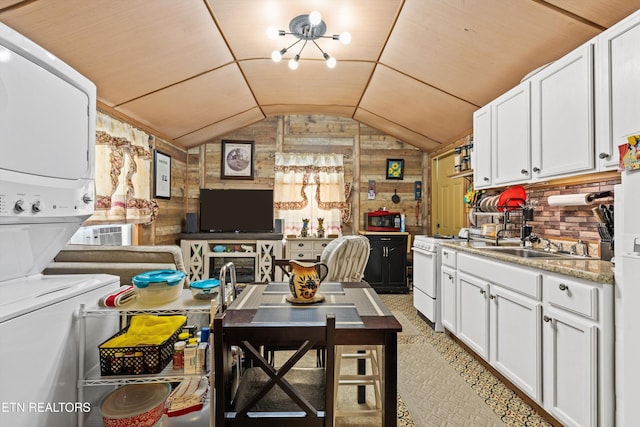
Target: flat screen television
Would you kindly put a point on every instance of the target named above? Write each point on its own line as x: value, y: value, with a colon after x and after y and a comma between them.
x: 236, y: 211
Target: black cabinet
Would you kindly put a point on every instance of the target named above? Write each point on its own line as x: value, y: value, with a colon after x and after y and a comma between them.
x: 386, y: 270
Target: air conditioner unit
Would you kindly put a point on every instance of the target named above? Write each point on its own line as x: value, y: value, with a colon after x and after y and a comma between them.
x: 106, y: 235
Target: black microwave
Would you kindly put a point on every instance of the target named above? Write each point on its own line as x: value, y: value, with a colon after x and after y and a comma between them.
x: 382, y: 221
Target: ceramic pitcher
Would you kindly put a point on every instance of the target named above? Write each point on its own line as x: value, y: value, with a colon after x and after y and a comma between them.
x: 305, y: 279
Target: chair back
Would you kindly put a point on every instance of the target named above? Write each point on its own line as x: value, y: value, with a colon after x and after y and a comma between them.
x: 346, y: 257
x: 267, y: 395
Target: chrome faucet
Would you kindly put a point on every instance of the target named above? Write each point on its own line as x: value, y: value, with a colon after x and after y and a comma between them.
x: 504, y: 230
x: 584, y: 245
x: 224, y: 298
x: 549, y: 243
x: 533, y: 238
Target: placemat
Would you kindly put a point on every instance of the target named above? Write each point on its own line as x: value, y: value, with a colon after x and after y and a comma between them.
x: 365, y: 300
x: 346, y: 314
x: 325, y: 289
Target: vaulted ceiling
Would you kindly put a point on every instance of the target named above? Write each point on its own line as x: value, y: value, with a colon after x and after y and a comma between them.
x: 193, y: 70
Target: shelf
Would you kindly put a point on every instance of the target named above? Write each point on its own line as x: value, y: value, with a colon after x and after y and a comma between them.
x: 185, y: 303
x: 232, y: 254
x: 168, y: 375
x: 463, y: 174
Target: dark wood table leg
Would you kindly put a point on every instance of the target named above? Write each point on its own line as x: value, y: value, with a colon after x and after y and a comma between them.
x: 390, y: 381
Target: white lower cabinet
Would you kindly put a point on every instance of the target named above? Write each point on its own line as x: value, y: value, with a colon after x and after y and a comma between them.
x: 515, y: 336
x: 578, y: 351
x: 473, y: 313
x: 503, y: 328
x: 551, y: 335
x: 449, y: 299
x: 570, y: 374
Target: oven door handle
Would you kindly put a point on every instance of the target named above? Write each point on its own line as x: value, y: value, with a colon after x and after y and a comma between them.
x: 423, y: 252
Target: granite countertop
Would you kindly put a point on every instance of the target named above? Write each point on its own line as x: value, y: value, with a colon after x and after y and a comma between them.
x: 591, y: 269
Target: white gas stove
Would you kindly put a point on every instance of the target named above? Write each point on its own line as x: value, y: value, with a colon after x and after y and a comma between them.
x: 426, y: 277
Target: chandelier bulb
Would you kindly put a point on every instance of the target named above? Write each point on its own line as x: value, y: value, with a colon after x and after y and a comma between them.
x: 276, y: 55
x: 294, y: 62
x: 315, y: 18
x: 331, y: 61
x: 345, y: 37
x: 272, y: 32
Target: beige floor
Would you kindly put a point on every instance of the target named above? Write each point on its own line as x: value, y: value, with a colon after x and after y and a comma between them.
x: 439, y: 383
x: 442, y: 385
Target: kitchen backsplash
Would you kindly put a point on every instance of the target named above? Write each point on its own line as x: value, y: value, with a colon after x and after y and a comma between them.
x: 569, y: 222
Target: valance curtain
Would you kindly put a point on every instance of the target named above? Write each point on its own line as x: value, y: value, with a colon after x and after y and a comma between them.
x: 309, y: 186
x: 123, y: 171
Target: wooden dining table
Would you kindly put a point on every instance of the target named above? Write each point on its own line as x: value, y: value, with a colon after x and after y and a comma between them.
x: 361, y: 319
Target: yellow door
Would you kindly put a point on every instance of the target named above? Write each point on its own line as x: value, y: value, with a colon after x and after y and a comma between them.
x: 447, y: 197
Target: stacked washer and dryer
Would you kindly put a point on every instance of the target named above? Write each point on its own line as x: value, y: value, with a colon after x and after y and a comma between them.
x: 47, y: 144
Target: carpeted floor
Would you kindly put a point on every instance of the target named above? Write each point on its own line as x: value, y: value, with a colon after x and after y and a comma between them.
x: 440, y: 384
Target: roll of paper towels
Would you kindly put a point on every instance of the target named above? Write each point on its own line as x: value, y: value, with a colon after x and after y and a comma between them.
x: 572, y: 199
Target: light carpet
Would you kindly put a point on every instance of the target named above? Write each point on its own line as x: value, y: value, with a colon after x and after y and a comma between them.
x: 443, y: 385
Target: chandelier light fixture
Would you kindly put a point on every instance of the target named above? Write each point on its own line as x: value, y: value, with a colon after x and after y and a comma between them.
x: 307, y: 28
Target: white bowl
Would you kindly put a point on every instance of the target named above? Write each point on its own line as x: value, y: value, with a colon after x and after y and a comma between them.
x: 158, y: 287
x: 205, y: 289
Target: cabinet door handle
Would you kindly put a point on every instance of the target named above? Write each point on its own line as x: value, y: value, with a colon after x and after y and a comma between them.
x: 482, y: 291
x: 536, y: 169
x: 524, y: 172
x: 492, y: 296
x: 604, y: 155
x: 563, y: 287
x: 546, y: 318
x: 486, y: 178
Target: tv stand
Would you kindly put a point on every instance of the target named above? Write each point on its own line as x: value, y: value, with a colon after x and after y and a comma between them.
x: 198, y: 249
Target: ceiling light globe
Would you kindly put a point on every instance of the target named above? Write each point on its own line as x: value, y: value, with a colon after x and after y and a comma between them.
x: 293, y: 64
x: 345, y: 37
x: 315, y: 18
x: 331, y: 62
x: 276, y: 56
x: 272, y: 32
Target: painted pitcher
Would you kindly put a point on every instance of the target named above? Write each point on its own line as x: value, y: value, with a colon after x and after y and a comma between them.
x: 305, y: 279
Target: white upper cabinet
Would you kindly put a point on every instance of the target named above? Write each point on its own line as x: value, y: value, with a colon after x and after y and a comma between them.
x: 618, y: 86
x: 481, y: 155
x: 511, y: 136
x: 562, y: 116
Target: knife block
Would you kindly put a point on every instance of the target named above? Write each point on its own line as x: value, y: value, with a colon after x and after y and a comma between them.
x: 606, y: 251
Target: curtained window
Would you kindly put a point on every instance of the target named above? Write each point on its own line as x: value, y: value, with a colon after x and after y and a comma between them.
x: 309, y: 186
x: 123, y: 171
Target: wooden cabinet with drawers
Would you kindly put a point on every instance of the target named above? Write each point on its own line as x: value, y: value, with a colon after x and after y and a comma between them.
x: 307, y: 248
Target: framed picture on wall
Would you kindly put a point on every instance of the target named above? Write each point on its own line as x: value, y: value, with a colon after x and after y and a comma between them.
x: 161, y: 175
x: 395, y: 168
x: 237, y: 159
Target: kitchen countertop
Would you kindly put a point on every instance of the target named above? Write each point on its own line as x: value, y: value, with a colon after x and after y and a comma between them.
x: 591, y: 269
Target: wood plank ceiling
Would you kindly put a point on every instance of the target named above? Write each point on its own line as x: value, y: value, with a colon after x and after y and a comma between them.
x: 193, y: 70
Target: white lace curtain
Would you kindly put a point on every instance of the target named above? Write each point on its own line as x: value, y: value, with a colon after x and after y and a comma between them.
x: 123, y: 171
x: 309, y: 186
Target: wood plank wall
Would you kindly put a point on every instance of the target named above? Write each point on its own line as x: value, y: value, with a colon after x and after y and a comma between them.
x: 365, y: 151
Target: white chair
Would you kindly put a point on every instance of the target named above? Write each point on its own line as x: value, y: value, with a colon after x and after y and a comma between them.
x: 347, y: 258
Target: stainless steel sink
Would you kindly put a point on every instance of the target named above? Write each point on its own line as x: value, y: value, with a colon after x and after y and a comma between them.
x: 533, y: 253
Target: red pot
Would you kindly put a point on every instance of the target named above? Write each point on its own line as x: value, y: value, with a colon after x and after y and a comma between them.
x: 140, y: 405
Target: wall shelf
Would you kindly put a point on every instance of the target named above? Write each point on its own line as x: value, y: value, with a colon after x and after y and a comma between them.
x: 463, y: 174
